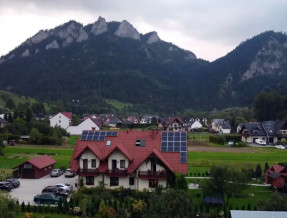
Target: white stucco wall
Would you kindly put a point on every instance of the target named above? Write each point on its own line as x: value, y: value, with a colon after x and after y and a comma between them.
x: 146, y: 165
x: 144, y: 184
x: 60, y: 120
x: 87, y: 124
x: 117, y: 155
x: 89, y: 155
x: 196, y: 125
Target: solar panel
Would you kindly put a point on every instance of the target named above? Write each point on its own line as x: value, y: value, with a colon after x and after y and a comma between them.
x: 97, y: 135
x: 175, y: 142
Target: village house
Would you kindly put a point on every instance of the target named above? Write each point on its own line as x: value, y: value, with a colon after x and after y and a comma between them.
x: 276, y: 176
x: 220, y: 126
x: 269, y: 131
x: 131, y: 159
x: 62, y: 119
x: 173, y: 124
x: 87, y: 124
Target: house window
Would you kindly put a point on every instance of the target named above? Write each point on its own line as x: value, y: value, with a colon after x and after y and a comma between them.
x: 89, y: 180
x: 28, y: 166
x: 94, y: 163
x: 140, y: 142
x: 114, y: 181
x: 109, y: 142
x: 122, y: 163
x: 153, y: 183
x: 132, y: 180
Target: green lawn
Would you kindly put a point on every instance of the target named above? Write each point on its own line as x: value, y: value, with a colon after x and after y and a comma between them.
x: 73, y: 139
x: 48, y: 215
x: 17, y: 155
x: 198, y: 161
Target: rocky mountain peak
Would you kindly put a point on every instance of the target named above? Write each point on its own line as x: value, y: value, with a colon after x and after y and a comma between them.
x: 99, y: 27
x: 39, y: 37
x: 153, y: 37
x: 268, y: 60
x: 126, y: 30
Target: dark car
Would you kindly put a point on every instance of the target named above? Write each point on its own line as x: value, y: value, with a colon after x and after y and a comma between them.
x: 14, y: 182
x: 56, y: 172
x: 69, y: 173
x: 6, y: 186
x: 47, y: 198
x: 56, y: 190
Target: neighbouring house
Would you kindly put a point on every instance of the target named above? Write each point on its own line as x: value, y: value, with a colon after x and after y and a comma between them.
x: 133, y: 120
x: 147, y: 119
x: 276, y: 176
x: 131, y: 159
x: 224, y: 128
x: 36, y: 168
x: 173, y: 124
x: 3, y: 123
x: 257, y: 214
x: 194, y: 126
x: 62, y: 119
x: 268, y: 131
x: 87, y: 124
x: 112, y: 120
x: 220, y: 126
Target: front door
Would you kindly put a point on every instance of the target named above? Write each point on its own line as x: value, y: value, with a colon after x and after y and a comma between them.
x: 85, y: 163
x: 114, y: 164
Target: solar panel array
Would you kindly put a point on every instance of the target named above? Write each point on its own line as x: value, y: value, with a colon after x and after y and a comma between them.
x: 175, y: 142
x: 97, y: 135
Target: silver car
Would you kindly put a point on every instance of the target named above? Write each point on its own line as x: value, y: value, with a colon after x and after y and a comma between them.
x: 56, y: 172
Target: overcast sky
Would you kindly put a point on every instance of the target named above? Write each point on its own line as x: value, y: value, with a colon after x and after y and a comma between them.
x: 209, y: 28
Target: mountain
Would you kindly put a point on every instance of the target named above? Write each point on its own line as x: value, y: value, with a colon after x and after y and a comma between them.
x: 258, y: 64
x: 106, y: 62
x: 101, y: 61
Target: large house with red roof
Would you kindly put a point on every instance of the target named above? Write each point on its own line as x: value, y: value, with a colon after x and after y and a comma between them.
x: 131, y: 159
x: 276, y: 176
x: 36, y: 168
x: 62, y: 119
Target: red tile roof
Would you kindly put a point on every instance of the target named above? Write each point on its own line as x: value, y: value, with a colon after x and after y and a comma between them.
x: 125, y: 142
x: 68, y: 114
x: 277, y: 168
x: 41, y: 161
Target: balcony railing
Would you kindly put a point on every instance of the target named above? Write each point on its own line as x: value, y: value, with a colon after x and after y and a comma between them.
x: 88, y: 171
x: 117, y: 172
x: 152, y: 174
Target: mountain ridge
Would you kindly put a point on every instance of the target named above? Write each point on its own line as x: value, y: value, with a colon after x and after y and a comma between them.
x: 112, y: 60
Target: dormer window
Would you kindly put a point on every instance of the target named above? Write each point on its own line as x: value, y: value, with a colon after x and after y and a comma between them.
x: 109, y: 143
x: 140, y: 143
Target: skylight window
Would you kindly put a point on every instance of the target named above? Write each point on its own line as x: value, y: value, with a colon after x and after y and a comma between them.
x: 140, y: 142
x: 109, y: 143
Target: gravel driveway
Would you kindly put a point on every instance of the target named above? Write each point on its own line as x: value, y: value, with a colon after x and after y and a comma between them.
x: 31, y: 187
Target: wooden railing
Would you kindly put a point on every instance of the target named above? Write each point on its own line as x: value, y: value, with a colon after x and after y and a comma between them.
x: 152, y: 174
x: 88, y: 171
x: 116, y: 172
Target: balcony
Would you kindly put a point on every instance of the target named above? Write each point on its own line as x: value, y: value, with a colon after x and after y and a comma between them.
x: 152, y: 174
x: 88, y: 172
x: 116, y: 173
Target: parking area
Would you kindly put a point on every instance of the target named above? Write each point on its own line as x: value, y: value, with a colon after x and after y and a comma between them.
x: 31, y: 187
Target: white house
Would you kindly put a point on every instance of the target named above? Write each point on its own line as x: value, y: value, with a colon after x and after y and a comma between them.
x: 62, y: 119
x: 195, y: 125
x: 131, y: 159
x: 87, y: 124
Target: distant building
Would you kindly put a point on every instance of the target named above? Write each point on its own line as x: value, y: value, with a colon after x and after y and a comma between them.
x: 62, y: 119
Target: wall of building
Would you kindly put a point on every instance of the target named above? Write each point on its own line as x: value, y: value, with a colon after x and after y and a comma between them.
x: 89, y: 155
x: 117, y: 155
x: 87, y: 124
x: 146, y: 165
x: 60, y: 120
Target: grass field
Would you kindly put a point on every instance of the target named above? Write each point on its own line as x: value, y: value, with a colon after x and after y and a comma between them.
x: 200, y: 161
x: 17, y: 155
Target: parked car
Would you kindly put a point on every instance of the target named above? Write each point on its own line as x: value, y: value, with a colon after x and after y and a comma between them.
x: 6, y: 186
x: 260, y: 141
x: 65, y: 186
x: 280, y: 147
x: 56, y: 190
x: 56, y: 172
x: 69, y: 173
x: 47, y: 198
x: 14, y: 182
